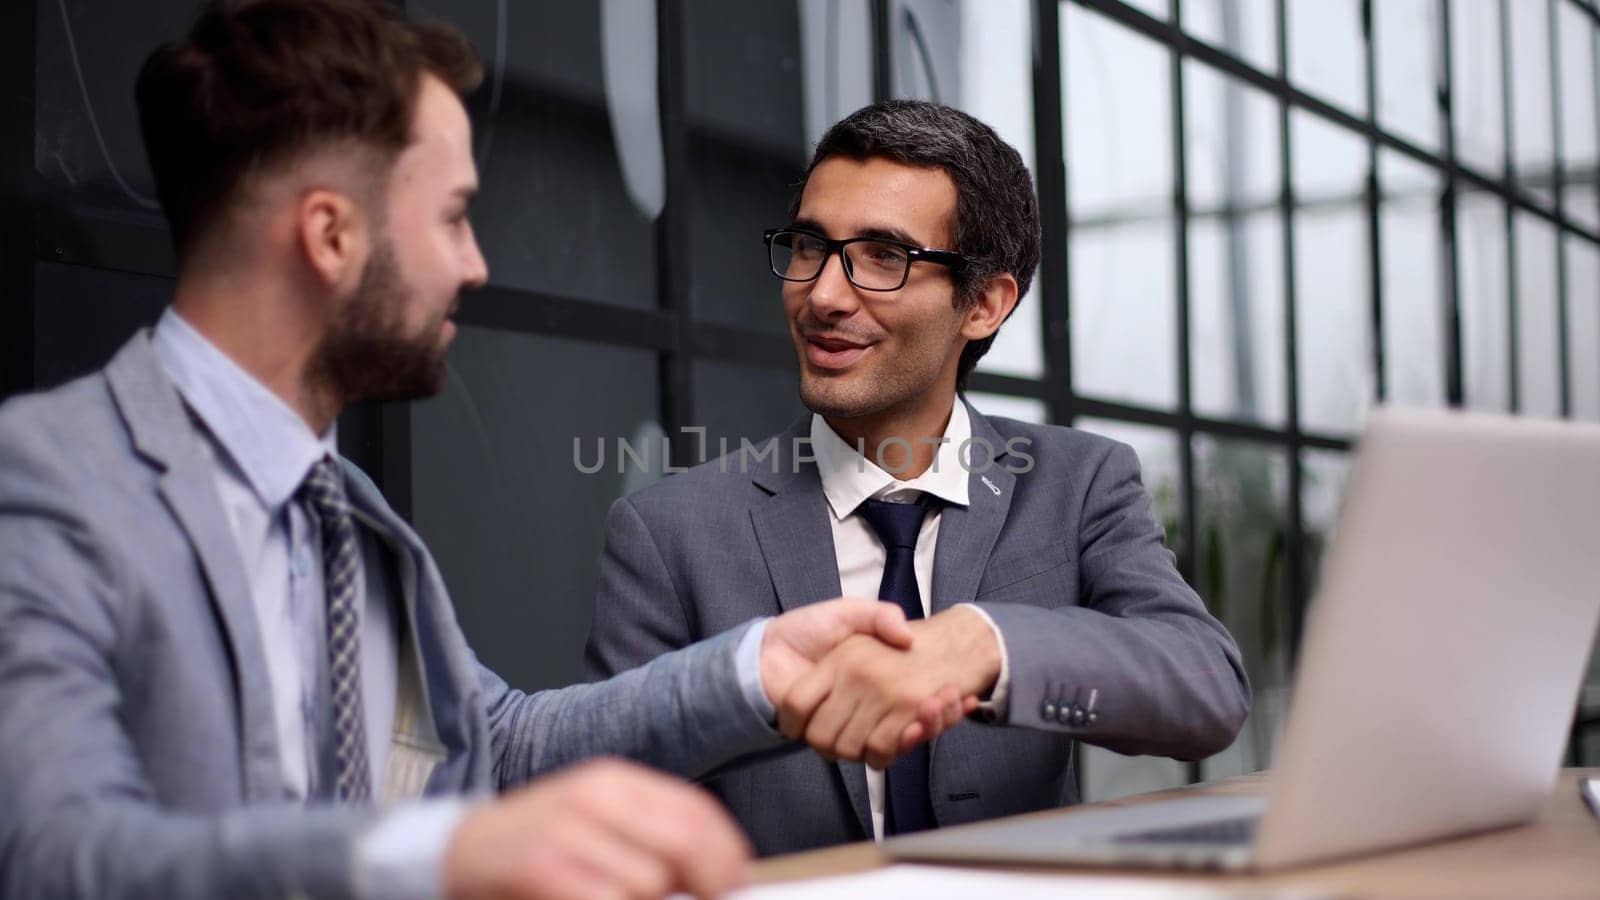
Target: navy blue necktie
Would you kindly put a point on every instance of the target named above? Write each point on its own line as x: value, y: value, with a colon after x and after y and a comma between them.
x: 908, y: 807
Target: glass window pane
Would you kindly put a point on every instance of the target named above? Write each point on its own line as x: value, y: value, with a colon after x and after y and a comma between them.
x: 1236, y: 316
x: 1236, y: 311
x: 556, y: 212
x: 1485, y: 317
x: 1406, y: 41
x: 494, y: 454
x: 1118, y: 121
x: 1119, y: 172
x: 1241, y: 569
x: 1587, y: 746
x: 1538, y: 330
x: 996, y: 85
x: 924, y: 49
x: 1413, y: 300
x: 1327, y: 51
x: 1325, y: 474
x: 1231, y: 141
x: 1583, y: 326
x: 747, y: 148
x: 1579, y: 130
x: 1333, y: 329
x: 1246, y: 28
x: 836, y: 62
x: 1475, y: 69
x: 1108, y: 775
x: 1124, y: 331
x: 1532, y: 135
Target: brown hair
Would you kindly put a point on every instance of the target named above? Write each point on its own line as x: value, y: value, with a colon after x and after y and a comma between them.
x: 258, y: 82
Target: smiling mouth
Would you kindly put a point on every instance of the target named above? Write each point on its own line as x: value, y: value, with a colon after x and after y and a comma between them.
x: 833, y: 353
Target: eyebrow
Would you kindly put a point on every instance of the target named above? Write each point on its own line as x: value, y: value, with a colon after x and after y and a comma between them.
x: 882, y: 232
x: 467, y: 193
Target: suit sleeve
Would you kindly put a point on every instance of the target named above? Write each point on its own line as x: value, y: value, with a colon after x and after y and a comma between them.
x: 78, y: 818
x: 1138, y: 665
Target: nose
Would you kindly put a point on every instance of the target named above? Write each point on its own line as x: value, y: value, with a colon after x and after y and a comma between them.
x: 831, y: 295
x: 477, y: 269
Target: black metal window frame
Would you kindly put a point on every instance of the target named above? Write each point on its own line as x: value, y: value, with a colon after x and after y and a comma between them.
x: 1057, y: 389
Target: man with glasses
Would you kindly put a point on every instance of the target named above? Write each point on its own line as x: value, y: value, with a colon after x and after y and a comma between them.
x: 1027, y: 554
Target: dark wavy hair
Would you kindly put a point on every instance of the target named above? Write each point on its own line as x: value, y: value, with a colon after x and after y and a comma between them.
x: 258, y: 82
x: 997, y: 213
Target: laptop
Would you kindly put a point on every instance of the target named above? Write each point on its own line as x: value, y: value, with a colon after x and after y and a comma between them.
x: 1437, y: 681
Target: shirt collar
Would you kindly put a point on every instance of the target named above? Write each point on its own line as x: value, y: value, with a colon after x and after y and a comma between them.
x: 848, y: 477
x: 270, y: 444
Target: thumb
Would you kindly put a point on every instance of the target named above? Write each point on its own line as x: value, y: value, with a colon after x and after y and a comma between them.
x: 816, y: 629
x: 889, y: 624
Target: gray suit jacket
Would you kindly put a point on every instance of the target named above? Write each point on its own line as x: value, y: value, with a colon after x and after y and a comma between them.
x: 1066, y: 558
x: 139, y: 752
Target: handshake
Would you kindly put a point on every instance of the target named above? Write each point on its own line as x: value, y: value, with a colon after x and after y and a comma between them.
x: 852, y: 678
x: 856, y: 681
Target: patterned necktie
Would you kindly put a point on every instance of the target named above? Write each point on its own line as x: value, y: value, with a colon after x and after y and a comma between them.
x: 323, y: 493
x: 908, y: 806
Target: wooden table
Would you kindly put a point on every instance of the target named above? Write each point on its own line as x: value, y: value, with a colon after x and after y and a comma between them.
x: 1556, y: 855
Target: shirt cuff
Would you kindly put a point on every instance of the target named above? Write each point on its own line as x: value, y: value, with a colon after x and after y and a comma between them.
x: 747, y: 666
x: 994, y: 708
x: 401, y: 856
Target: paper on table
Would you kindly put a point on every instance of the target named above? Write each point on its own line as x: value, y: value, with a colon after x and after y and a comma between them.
x: 953, y: 883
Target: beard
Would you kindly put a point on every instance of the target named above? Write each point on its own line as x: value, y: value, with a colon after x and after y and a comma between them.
x: 882, y: 387
x: 367, y: 354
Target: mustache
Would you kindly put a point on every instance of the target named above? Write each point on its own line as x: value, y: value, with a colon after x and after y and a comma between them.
x: 810, y: 328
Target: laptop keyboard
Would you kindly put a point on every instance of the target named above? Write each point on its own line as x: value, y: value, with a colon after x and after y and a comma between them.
x: 1220, y: 831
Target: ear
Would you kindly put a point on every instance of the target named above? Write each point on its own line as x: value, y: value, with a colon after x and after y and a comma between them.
x: 998, y: 299
x: 333, y: 236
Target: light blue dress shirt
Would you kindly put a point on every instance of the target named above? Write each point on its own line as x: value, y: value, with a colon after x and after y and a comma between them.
x: 261, y: 451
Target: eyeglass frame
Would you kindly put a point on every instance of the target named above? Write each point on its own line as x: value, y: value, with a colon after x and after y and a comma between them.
x: 951, y: 259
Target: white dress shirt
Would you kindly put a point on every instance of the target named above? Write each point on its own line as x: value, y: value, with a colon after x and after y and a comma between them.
x: 848, y: 479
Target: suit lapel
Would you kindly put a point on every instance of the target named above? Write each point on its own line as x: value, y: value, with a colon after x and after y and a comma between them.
x: 792, y: 527
x: 967, y: 536
x: 164, y: 435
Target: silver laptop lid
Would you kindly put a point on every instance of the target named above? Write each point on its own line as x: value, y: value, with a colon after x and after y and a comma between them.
x: 1448, y: 639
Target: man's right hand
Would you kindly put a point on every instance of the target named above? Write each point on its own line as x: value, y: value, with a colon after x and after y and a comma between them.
x: 794, y: 644
x: 599, y: 829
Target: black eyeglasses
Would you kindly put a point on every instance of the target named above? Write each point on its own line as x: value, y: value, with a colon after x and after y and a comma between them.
x: 872, y: 264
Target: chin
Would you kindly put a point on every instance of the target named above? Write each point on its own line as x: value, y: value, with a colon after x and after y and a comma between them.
x: 829, y: 397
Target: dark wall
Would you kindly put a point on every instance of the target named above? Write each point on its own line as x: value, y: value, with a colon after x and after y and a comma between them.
x: 577, y: 339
